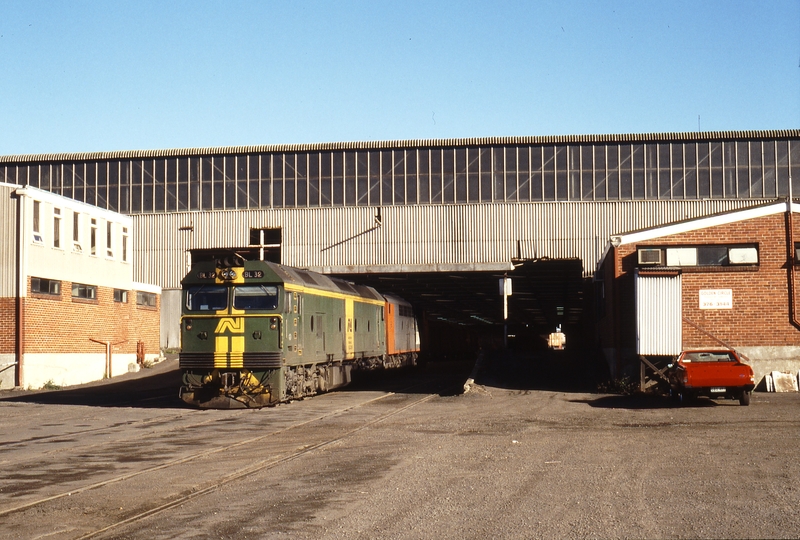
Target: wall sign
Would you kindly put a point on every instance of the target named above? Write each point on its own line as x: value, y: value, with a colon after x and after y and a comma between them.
x: 716, y: 299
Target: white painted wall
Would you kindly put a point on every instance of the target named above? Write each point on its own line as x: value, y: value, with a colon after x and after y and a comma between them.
x: 66, y: 262
x: 7, y: 371
x: 71, y: 369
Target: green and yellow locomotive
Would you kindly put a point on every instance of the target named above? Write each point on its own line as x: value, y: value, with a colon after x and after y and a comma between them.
x: 256, y: 333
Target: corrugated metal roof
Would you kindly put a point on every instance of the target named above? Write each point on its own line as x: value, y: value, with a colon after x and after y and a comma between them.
x: 412, y: 143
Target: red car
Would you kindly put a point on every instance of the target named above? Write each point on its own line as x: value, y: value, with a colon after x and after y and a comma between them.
x: 716, y: 373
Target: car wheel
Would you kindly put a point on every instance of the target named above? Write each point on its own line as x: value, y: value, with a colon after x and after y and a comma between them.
x: 744, y: 398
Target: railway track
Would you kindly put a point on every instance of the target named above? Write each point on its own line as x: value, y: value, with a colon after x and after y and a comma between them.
x: 102, y: 482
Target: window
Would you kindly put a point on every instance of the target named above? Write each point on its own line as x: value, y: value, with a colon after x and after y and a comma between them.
x: 124, y: 244
x: 255, y: 297
x: 109, y: 232
x: 720, y: 356
x: 45, y: 286
x: 36, y: 205
x: 37, y: 233
x: 206, y: 297
x: 76, y: 232
x: 93, y: 238
x: 265, y: 237
x: 712, y: 256
x: 145, y: 299
x: 56, y: 227
x: 87, y: 292
x: 699, y: 256
x: 120, y: 296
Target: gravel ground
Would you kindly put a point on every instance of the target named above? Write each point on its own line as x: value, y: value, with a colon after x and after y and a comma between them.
x: 511, y: 458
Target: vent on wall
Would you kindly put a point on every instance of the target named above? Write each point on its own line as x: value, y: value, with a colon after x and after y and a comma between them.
x: 650, y: 256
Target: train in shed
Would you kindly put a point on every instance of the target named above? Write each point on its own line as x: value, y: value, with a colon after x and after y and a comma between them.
x: 256, y: 333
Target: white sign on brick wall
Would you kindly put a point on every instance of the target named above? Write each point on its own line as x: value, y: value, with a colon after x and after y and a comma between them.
x: 716, y: 299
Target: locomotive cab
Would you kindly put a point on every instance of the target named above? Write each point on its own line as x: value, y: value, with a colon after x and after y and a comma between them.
x: 231, y: 336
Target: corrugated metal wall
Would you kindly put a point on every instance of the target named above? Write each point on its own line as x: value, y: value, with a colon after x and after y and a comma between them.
x: 410, y: 238
x: 658, y: 315
x: 8, y: 242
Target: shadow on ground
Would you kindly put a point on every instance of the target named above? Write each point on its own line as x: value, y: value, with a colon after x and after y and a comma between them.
x: 559, y: 371
x: 155, y: 387
x: 647, y: 401
x: 158, y: 387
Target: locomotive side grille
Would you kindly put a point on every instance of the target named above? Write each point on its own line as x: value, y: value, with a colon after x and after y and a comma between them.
x: 190, y: 360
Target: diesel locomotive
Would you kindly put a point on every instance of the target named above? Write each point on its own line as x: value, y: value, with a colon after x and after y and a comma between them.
x: 256, y: 333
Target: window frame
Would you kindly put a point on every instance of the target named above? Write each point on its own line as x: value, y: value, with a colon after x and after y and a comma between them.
x: 692, y: 254
x: 83, y: 291
x: 53, y: 286
x: 146, y: 299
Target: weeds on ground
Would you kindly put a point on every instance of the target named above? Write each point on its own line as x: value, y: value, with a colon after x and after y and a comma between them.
x: 624, y: 386
x: 50, y: 385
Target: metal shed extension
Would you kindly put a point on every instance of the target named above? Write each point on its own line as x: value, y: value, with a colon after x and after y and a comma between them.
x: 658, y: 314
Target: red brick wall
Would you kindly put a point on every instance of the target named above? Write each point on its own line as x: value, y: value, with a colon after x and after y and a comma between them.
x: 760, y: 314
x: 65, y: 324
x: 148, y: 323
x: 8, y: 326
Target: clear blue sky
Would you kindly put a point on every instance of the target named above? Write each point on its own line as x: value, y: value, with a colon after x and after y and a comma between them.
x: 113, y: 75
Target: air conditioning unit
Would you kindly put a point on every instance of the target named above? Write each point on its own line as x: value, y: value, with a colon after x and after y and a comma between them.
x: 651, y: 256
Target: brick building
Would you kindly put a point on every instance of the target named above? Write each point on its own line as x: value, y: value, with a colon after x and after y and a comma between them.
x: 70, y: 311
x: 722, y: 280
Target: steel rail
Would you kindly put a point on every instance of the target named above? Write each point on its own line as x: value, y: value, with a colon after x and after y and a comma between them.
x: 257, y: 467
x: 186, y: 459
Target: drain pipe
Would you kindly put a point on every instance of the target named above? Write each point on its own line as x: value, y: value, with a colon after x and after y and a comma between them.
x: 21, y: 292
x: 791, y: 258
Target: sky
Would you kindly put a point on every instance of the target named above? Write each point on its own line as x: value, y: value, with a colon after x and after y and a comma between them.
x: 91, y: 76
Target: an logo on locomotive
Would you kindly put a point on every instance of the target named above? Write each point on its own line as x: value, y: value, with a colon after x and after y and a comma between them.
x: 229, y: 348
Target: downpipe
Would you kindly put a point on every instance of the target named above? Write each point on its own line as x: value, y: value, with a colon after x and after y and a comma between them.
x: 790, y: 253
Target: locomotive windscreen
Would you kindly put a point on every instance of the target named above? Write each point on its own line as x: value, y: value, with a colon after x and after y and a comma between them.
x: 206, y: 297
x: 255, y: 297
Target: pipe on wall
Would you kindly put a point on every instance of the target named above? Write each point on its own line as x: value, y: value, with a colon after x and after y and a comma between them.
x: 19, y: 299
x: 791, y: 258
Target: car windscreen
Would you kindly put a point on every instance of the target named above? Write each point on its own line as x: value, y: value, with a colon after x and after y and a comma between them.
x: 206, y: 297
x: 255, y: 297
x: 721, y: 356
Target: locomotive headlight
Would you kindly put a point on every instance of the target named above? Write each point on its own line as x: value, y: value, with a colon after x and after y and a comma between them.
x: 273, y: 323
x: 188, y: 324
x: 228, y: 274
